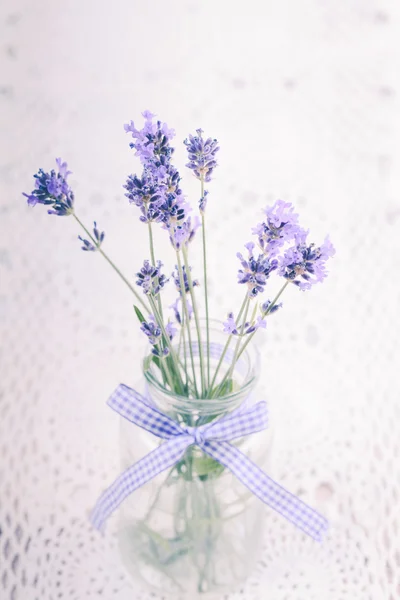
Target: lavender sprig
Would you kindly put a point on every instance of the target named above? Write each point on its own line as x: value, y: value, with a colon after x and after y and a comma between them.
x: 201, y: 155
x: 282, y: 243
x: 88, y: 246
x: 154, y: 334
x: 52, y: 189
x: 231, y: 327
x: 182, y: 287
x: 202, y: 162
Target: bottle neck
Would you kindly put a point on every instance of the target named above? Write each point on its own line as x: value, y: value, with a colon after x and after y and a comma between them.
x: 244, y: 376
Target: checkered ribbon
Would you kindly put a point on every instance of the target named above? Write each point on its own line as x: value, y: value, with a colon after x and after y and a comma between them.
x: 213, y: 438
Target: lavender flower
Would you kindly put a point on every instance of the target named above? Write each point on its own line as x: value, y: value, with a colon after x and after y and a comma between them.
x: 255, y: 271
x: 156, y: 192
x: 150, y: 278
x: 279, y: 227
x: 154, y: 334
x: 151, y: 142
x: 203, y: 202
x: 152, y: 330
x: 231, y: 327
x: 171, y: 178
x: 304, y: 265
x: 177, y: 280
x: 142, y: 191
x: 201, y: 155
x: 52, y: 189
x: 172, y: 210
x: 88, y: 246
x: 184, y: 233
x: 171, y: 330
x: 175, y: 308
x: 259, y: 323
x: 265, y: 307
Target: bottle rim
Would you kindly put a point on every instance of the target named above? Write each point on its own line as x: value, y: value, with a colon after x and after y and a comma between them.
x: 250, y: 359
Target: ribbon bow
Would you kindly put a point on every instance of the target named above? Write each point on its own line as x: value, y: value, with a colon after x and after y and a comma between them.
x: 213, y: 438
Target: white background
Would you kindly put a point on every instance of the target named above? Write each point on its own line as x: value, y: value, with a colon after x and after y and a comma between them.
x: 303, y: 97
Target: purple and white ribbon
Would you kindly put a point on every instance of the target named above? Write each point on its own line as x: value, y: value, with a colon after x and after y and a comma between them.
x: 213, y: 438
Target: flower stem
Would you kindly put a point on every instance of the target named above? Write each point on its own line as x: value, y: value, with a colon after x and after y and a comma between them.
x: 168, y: 342
x: 153, y: 262
x: 196, y: 319
x: 153, y: 259
x: 227, y: 346
x: 184, y: 349
x: 235, y: 355
x: 187, y: 320
x: 203, y: 222
x: 110, y: 262
x: 164, y: 368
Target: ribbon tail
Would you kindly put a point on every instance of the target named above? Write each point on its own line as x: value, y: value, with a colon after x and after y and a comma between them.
x: 268, y: 490
x: 160, y: 459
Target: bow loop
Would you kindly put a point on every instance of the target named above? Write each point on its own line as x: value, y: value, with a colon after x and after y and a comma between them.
x: 133, y: 406
x: 213, y: 438
x: 239, y: 423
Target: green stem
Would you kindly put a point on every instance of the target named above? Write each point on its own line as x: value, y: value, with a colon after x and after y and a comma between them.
x: 226, y: 346
x: 164, y: 368
x: 229, y: 372
x: 203, y: 222
x: 153, y: 262
x: 186, y: 313
x: 168, y: 342
x: 184, y: 347
x: 110, y: 262
x: 196, y: 319
x: 153, y: 258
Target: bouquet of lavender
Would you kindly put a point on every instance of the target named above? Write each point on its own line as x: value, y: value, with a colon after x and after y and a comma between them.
x: 204, y: 371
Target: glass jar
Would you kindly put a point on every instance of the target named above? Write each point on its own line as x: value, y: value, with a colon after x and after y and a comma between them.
x: 196, y: 529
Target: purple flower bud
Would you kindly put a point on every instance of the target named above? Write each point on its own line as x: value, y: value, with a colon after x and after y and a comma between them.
x: 255, y: 271
x: 151, y: 330
x: 265, y: 307
x: 150, y: 278
x: 98, y: 236
x: 203, y: 202
x: 171, y: 330
x: 230, y: 325
x: 177, y: 280
x: 177, y: 313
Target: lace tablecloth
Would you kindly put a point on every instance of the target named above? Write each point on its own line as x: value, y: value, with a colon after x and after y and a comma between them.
x: 304, y: 99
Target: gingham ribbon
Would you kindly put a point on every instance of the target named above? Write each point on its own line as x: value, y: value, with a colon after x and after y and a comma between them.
x: 213, y: 438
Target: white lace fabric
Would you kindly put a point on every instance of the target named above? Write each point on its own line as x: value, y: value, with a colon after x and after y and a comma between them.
x: 304, y: 99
